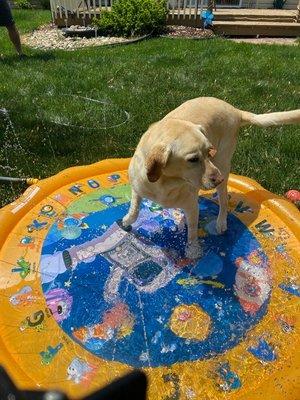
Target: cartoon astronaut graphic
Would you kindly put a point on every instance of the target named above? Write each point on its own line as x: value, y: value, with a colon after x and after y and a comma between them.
x: 132, y: 257
x: 79, y: 370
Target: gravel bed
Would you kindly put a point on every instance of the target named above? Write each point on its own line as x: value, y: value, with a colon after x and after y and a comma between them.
x: 50, y: 38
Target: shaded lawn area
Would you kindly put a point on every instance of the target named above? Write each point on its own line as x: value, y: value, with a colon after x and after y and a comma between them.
x: 146, y: 80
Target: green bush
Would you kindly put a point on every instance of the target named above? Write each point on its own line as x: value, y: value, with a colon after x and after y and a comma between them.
x: 133, y: 18
x: 24, y: 4
x: 45, y: 4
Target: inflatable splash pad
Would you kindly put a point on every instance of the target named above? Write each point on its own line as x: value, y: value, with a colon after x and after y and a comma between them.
x: 83, y: 301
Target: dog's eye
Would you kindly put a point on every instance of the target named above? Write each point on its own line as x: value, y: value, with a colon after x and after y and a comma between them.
x: 193, y: 159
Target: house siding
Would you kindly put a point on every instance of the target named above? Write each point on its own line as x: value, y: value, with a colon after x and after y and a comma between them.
x: 289, y: 5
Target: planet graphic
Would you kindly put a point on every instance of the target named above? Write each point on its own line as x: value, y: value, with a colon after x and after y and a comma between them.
x: 190, y: 322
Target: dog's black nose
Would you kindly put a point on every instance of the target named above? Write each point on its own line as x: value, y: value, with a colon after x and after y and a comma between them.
x: 216, y: 179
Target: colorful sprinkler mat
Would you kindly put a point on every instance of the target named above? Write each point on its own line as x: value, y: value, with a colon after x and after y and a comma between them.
x: 83, y: 301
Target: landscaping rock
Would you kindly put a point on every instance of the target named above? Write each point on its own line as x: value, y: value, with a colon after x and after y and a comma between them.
x: 48, y: 37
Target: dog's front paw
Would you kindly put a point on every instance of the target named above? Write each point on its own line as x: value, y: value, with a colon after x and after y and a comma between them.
x: 193, y: 250
x: 221, y: 226
x: 127, y: 227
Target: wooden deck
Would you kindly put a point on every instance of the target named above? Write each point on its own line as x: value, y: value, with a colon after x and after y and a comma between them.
x: 228, y: 22
x: 246, y: 22
x: 272, y: 23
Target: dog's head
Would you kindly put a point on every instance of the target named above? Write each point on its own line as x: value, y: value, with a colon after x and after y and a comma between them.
x: 179, y: 149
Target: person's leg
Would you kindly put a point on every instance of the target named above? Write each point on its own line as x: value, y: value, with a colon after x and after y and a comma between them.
x: 15, y: 38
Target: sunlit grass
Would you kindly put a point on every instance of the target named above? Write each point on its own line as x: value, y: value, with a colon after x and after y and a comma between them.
x: 136, y: 85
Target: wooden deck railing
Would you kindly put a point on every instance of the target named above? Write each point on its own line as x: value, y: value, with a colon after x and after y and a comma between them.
x: 63, y: 9
x: 79, y: 8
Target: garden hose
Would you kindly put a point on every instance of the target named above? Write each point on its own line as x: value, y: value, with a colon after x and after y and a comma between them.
x: 28, y: 181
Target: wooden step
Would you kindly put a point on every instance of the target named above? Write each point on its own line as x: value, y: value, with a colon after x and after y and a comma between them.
x: 258, y: 18
x: 251, y: 28
x: 255, y: 15
x: 254, y: 12
x: 235, y: 15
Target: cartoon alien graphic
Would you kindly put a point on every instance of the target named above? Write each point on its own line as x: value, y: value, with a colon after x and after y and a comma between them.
x: 79, y: 371
x: 169, y: 219
x: 252, y: 281
x: 263, y: 350
x: 23, y: 267
x: 59, y: 303
x: 24, y: 296
x: 114, y: 178
x: 71, y: 226
x: 48, y: 211
x: 228, y: 379
x: 117, y: 322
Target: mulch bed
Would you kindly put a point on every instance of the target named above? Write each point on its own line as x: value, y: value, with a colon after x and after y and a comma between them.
x: 178, y: 31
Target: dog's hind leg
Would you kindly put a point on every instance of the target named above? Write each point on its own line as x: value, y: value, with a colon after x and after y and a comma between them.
x: 223, y: 206
x: 133, y: 211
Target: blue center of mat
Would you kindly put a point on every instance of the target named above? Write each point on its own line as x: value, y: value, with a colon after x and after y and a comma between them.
x: 119, y: 294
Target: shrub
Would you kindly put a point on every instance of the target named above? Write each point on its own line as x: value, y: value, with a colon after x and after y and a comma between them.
x: 24, y: 4
x: 45, y: 4
x: 133, y: 18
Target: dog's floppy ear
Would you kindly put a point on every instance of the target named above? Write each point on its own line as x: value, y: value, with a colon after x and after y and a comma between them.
x: 156, y: 160
x: 211, y: 150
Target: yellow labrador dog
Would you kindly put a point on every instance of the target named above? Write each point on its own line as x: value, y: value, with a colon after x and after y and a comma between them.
x: 191, y: 149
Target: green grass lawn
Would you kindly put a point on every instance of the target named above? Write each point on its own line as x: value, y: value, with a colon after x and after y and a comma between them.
x: 146, y: 80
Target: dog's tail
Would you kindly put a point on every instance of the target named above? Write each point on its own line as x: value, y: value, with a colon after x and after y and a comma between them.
x: 271, y: 119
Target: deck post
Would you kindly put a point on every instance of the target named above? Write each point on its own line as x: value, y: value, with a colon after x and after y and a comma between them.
x: 210, y: 5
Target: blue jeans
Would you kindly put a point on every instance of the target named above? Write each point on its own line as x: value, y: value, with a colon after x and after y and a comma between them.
x: 6, y: 18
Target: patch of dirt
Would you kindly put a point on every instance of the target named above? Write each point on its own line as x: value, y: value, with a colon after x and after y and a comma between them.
x: 266, y: 40
x: 179, y: 31
x: 48, y: 37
